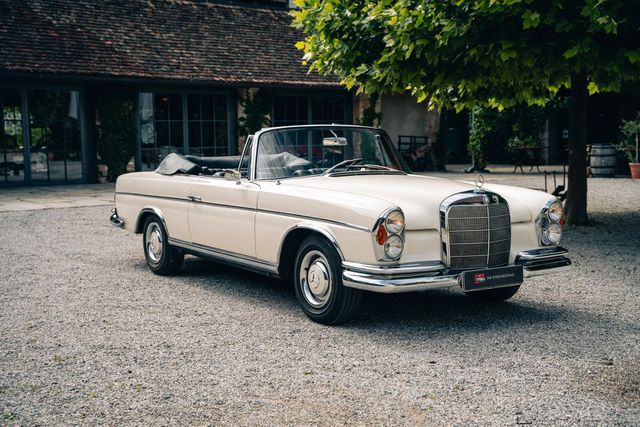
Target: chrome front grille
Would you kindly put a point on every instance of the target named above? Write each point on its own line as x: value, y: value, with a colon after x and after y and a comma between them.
x: 477, y: 234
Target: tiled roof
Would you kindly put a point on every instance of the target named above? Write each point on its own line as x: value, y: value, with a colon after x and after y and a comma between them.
x: 181, y: 40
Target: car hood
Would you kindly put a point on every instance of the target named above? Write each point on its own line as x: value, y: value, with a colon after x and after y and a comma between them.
x: 419, y: 196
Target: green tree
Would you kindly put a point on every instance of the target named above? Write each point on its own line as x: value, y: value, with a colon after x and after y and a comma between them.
x: 494, y: 135
x: 630, y: 144
x: 257, y: 107
x: 370, y: 117
x: 465, y: 53
x: 116, y: 132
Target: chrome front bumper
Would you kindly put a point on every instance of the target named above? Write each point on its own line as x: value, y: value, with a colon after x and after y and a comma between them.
x: 434, y: 274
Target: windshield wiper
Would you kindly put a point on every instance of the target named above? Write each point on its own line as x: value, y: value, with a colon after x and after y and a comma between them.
x: 343, y: 164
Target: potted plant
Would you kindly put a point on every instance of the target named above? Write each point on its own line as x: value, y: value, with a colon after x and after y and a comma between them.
x: 630, y: 130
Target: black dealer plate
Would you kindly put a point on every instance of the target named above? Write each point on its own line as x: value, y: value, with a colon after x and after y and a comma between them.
x: 476, y: 280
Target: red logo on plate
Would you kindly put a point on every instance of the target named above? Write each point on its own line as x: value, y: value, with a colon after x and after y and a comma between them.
x: 479, y: 278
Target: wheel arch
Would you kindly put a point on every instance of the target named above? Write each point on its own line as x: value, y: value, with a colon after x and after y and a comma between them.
x: 146, y: 213
x: 292, y: 240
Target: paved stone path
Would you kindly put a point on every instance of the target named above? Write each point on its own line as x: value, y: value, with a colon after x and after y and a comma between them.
x: 55, y: 196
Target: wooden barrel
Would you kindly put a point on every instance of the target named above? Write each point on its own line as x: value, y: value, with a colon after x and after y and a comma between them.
x: 603, y: 160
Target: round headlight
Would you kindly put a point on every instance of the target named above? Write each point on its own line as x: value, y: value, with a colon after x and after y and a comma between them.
x: 393, y: 247
x: 555, y: 211
x: 552, y: 234
x: 394, y: 222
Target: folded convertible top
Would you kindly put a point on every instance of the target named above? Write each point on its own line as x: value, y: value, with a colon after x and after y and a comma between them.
x: 175, y: 163
x: 192, y: 165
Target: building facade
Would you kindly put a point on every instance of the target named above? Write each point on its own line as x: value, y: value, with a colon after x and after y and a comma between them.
x: 187, y: 65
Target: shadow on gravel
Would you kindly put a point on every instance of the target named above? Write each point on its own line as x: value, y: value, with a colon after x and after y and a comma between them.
x: 222, y: 277
x: 435, y: 309
x: 450, y: 308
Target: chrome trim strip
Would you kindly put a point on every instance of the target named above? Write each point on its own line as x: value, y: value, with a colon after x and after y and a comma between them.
x: 232, y: 257
x: 384, y: 285
x: 533, y: 273
x: 427, y: 275
x: 265, y: 211
x: 154, y: 196
x: 366, y: 172
x: 425, y: 267
x: 329, y: 221
x: 541, y: 253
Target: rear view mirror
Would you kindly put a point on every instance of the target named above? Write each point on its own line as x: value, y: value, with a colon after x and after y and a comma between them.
x: 231, y: 175
x: 334, y: 141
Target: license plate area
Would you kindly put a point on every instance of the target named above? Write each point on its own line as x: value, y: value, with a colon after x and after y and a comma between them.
x: 489, y: 278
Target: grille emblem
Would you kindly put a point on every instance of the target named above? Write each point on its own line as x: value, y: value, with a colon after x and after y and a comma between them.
x: 486, y: 199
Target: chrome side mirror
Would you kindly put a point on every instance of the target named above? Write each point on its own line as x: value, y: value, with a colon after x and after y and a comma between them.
x: 232, y: 175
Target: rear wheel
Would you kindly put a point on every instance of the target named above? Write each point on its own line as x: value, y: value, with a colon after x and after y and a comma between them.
x: 494, y: 295
x: 318, y: 283
x: 162, y: 258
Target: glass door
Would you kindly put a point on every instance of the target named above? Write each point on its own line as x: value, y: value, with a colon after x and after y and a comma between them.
x: 54, y: 125
x: 12, y: 166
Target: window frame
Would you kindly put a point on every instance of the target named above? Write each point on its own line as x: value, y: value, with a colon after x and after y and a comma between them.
x: 231, y: 109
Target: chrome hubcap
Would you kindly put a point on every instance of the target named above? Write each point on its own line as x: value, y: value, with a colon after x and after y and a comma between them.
x: 154, y: 242
x: 315, y: 279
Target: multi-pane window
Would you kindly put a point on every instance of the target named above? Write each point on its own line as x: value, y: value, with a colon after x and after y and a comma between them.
x: 54, y: 131
x: 195, y: 124
x: 327, y: 110
x: 208, y: 125
x: 11, y: 143
x: 303, y: 110
x: 161, y: 130
x: 290, y: 110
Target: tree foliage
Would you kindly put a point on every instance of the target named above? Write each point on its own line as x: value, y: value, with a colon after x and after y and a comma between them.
x: 467, y: 53
x: 464, y: 53
x: 630, y: 145
x: 370, y: 116
x: 116, y: 132
x: 257, y: 107
x: 493, y: 134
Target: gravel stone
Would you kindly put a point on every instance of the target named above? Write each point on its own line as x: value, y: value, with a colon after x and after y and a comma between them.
x: 88, y: 335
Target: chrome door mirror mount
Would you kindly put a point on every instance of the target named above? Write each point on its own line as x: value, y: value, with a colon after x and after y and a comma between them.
x: 232, y: 175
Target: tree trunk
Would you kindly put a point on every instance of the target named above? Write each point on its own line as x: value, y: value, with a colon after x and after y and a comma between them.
x: 576, y: 204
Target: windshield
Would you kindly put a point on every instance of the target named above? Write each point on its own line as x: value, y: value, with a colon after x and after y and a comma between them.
x: 285, y: 153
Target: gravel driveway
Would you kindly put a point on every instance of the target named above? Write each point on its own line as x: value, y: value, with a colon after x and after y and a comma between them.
x: 89, y: 336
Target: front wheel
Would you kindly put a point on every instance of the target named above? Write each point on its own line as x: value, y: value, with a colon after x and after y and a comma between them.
x: 161, y: 258
x: 318, y: 283
x: 494, y: 295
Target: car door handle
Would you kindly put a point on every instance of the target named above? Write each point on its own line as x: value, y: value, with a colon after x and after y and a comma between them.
x: 194, y: 198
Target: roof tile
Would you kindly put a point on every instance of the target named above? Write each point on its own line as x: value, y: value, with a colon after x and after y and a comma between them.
x: 187, y: 40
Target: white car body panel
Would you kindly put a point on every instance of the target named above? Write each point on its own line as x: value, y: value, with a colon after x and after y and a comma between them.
x: 250, y: 220
x: 318, y: 202
x: 234, y: 208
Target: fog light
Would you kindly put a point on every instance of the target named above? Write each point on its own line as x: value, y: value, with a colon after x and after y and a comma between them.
x: 393, y: 247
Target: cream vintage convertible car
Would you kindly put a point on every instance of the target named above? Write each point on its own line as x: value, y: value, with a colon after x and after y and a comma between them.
x: 335, y: 209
